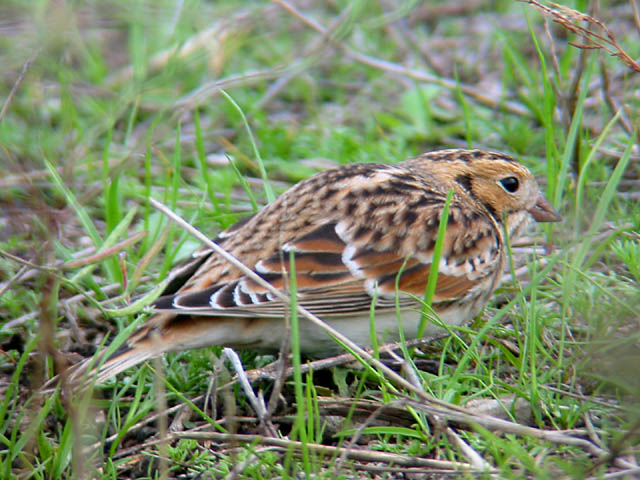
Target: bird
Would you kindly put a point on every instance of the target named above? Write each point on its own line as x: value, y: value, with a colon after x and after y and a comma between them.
x: 361, y: 234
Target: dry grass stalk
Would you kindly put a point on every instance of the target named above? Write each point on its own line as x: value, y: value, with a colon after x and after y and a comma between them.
x: 598, y: 38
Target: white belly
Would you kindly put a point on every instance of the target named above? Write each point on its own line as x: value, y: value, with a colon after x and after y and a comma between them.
x: 266, y: 334
x: 314, y: 341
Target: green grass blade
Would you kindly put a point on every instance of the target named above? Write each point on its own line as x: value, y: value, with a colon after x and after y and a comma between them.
x: 263, y: 172
x: 582, y: 177
x: 466, y: 111
x: 118, y: 231
x: 202, y: 162
x: 435, y: 263
x: 245, y: 185
x: 300, y: 430
x: 144, y: 301
x: 600, y: 213
x: 570, y: 144
x: 468, y: 355
x: 71, y: 199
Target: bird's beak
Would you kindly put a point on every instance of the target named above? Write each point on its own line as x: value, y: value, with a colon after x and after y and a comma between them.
x: 542, y: 211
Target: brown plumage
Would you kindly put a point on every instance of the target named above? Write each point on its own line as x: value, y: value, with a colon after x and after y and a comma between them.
x: 352, y: 229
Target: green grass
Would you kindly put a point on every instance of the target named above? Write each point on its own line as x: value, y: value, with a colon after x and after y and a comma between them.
x: 100, y: 122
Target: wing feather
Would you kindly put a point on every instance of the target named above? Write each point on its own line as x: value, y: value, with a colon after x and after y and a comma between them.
x: 341, y: 265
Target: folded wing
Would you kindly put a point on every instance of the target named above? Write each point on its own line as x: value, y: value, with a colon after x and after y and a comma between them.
x: 341, y: 266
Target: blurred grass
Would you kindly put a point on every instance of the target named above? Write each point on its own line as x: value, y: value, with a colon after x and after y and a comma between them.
x: 121, y: 101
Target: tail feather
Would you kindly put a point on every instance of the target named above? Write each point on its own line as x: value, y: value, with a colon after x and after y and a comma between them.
x: 96, y: 370
x: 161, y: 334
x: 124, y: 358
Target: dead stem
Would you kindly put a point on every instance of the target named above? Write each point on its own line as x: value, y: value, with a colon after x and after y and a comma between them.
x: 571, y: 20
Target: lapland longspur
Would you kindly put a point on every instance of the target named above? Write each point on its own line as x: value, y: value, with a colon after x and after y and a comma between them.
x: 353, y: 230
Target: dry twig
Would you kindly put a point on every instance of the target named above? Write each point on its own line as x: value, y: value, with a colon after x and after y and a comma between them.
x: 25, y: 68
x: 600, y: 38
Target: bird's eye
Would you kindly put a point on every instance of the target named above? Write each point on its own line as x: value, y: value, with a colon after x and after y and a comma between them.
x: 510, y: 184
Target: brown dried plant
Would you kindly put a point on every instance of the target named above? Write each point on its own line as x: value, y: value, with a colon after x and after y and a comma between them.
x: 595, y: 34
